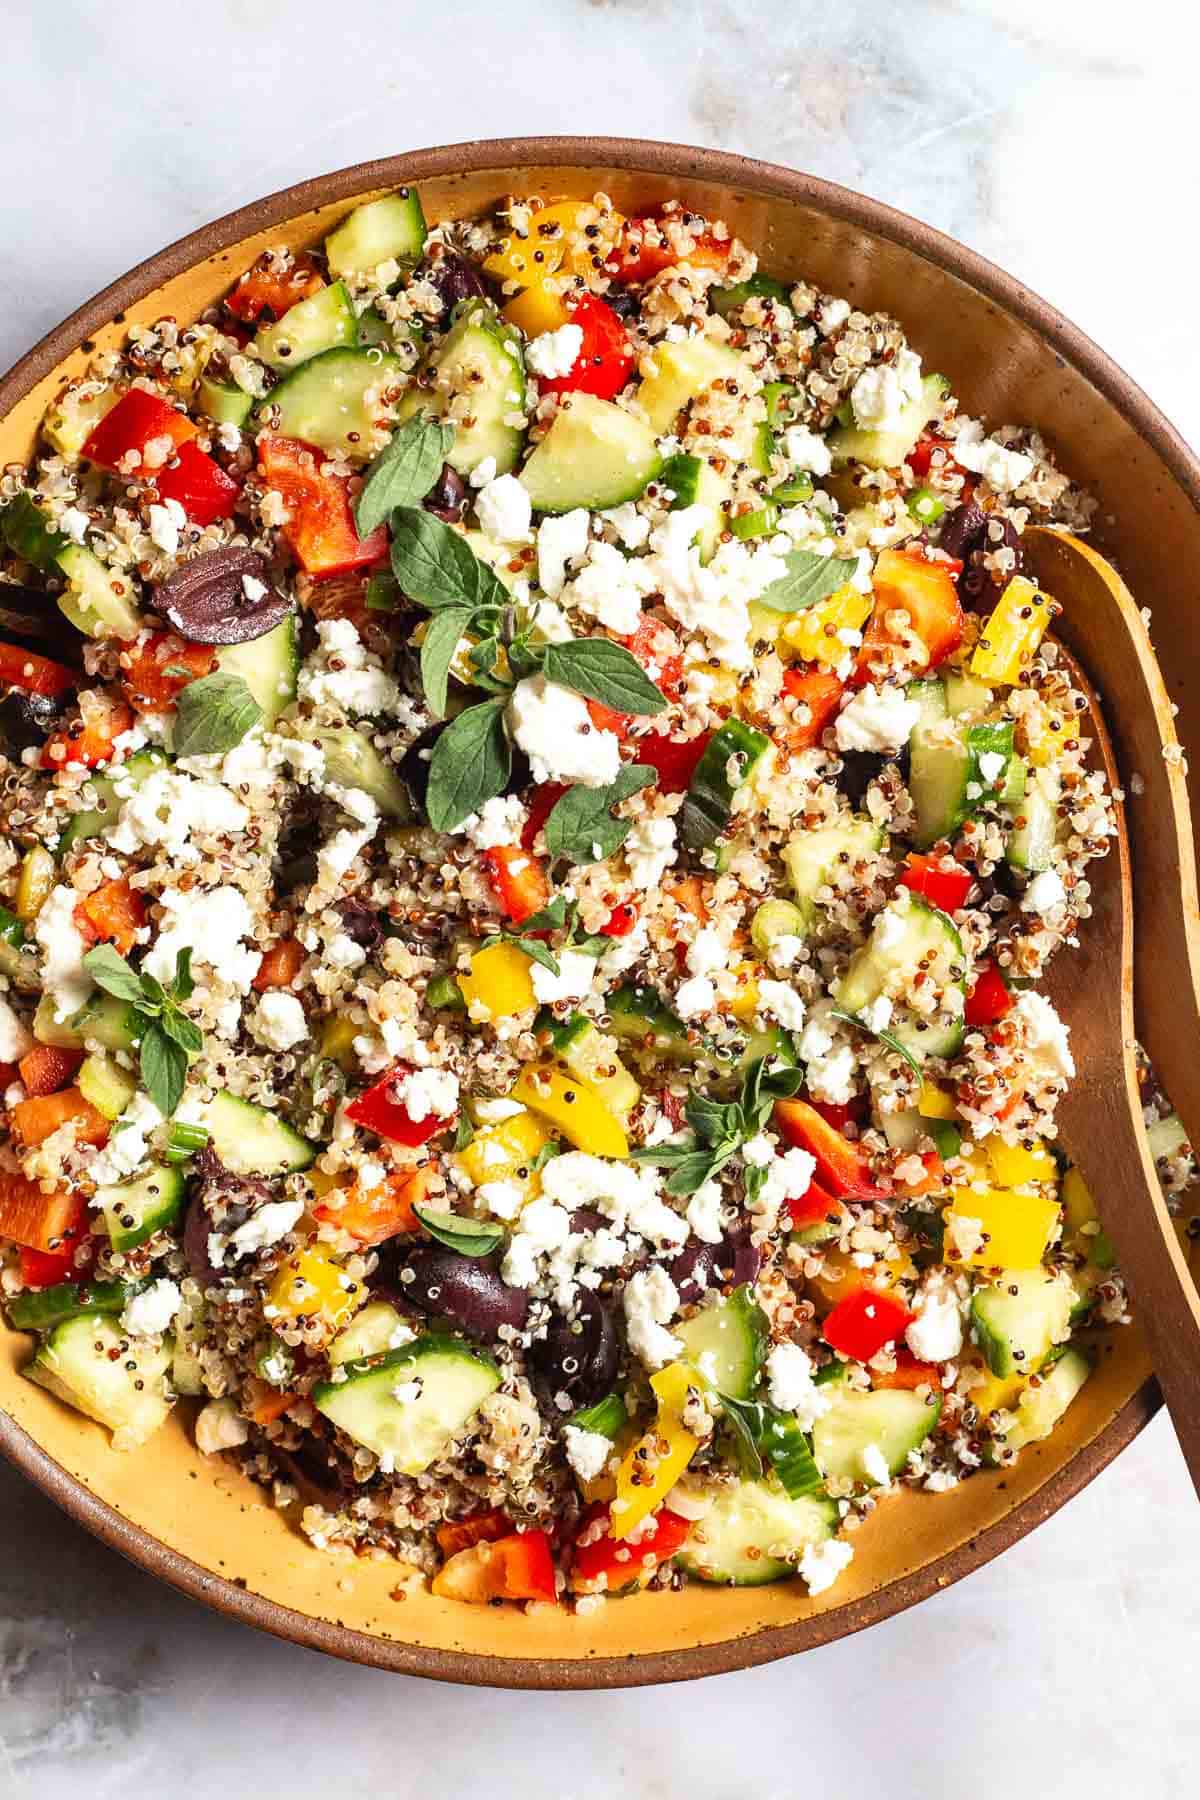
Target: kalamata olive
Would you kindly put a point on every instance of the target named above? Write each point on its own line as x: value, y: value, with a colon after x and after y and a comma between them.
x: 31, y: 619
x: 361, y: 923
x: 702, y: 1267
x: 414, y: 764
x: 963, y: 529
x: 858, y: 771
x: 452, y: 276
x: 622, y: 302
x: 222, y: 597
x: 466, y: 1290
x: 218, y: 1201
x: 448, y: 496
x: 581, y: 1351
x: 28, y: 719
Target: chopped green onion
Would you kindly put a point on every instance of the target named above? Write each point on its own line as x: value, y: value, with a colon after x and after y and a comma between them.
x: 758, y: 523
x: 794, y: 489
x: 183, y: 1141
x: 925, y: 506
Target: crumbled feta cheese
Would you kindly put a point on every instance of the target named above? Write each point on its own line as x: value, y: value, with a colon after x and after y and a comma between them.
x: 807, y: 450
x: 493, y: 1111
x: 126, y: 1149
x: 1045, y: 1035
x: 502, y: 1198
x: 878, y: 719
x: 759, y: 1151
x: 576, y: 974
x: 878, y: 1015
x: 166, y: 522
x: 1002, y: 468
x: 15, y: 1037
x: 554, y: 353
x: 707, y: 952
x: 64, y: 978
x: 219, y: 1426
x: 779, y: 1000
x: 935, y: 1334
x: 425, y: 1093
x: 259, y: 1232
x: 560, y: 540
x: 788, y: 1178
x: 964, y: 1235
x: 1044, y: 893
x: 831, y: 1076
x: 344, y: 674
x: 704, y: 1213
x: 498, y: 821
x: 631, y: 526
x: 695, y: 997
x: 651, y: 1300
x: 832, y: 316
x: 608, y: 588
x: 710, y: 600
x: 341, y: 952
x: 992, y: 765
x: 587, y: 1451
x: 881, y: 392
x: 789, y: 1372
x: 821, y: 1564
x: 650, y: 849
x: 785, y: 951
x: 211, y: 924
x: 483, y: 472
x: 874, y: 1465
x: 153, y: 1309
x: 504, y: 510
x: 279, y: 1020
x: 552, y: 725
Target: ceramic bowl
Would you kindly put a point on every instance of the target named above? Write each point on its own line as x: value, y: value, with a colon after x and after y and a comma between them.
x: 195, y: 1521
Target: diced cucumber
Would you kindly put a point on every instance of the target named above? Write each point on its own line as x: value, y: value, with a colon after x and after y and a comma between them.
x: 638, y: 1015
x: 965, y: 693
x: 946, y: 779
x: 591, y: 1057
x: 812, y: 856
x: 1035, y: 822
x: 1018, y: 1319
x: 352, y: 761
x: 98, y: 601
x: 1167, y: 1137
x: 694, y: 482
x: 726, y: 1342
x: 16, y: 961
x: 754, y: 1534
x: 43, y: 1308
x: 135, y: 1210
x: 606, y: 1417
x: 1015, y: 782
x: 223, y: 401
x: 684, y: 371
x: 931, y: 697
x: 1040, y: 1408
x: 482, y: 357
x: 729, y: 758
x: 27, y: 531
x: 594, y: 455
x: 187, y: 1368
x: 372, y: 1332
x: 90, y: 823
x: 773, y: 920
x: 94, y: 1367
x: 336, y: 400
x: 268, y: 665
x: 252, y: 1141
x: 109, y: 1087
x: 445, y: 995
x: 113, y: 1024
x: 391, y: 229
x: 73, y: 417
x: 49, y: 1030
x: 893, y: 1420
x: 408, y: 1406
x: 908, y: 936
x: 325, y: 321
x: 725, y: 300
x: 887, y: 448
x: 772, y: 1044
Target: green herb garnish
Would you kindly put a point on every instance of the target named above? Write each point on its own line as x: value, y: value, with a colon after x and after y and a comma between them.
x: 168, y: 1039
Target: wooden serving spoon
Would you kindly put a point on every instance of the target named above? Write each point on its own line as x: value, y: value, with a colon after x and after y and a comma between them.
x: 1100, y: 1116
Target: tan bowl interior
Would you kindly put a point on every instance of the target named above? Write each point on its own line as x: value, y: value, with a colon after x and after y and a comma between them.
x: 196, y: 1521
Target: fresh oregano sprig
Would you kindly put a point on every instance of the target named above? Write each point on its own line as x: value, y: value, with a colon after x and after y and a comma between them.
x: 721, y: 1128
x: 167, y: 1037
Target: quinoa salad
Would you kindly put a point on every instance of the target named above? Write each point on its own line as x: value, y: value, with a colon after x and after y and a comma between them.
x: 537, y: 795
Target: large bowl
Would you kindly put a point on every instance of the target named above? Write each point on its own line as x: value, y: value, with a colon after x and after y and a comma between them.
x: 195, y: 1522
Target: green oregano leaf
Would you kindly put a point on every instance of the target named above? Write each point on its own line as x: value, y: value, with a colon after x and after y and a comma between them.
x: 580, y: 824
x: 214, y: 714
x: 442, y: 638
x: 163, y: 1068
x: 403, y: 472
x: 109, y: 970
x: 469, y: 1237
x: 809, y: 578
x: 604, y: 671
x: 437, y: 567
x: 470, y: 765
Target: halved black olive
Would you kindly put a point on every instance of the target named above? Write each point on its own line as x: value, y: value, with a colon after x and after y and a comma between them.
x: 222, y: 597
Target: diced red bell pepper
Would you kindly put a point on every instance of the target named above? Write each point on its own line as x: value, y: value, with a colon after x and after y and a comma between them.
x: 528, y: 1563
x: 375, y: 1214
x: 199, y: 484
x: 320, y: 527
x: 815, y: 1207
x: 519, y: 880
x: 943, y: 883
x: 138, y: 420
x: 605, y: 363
x: 621, y: 921
x: 265, y: 288
x: 154, y: 672
x: 926, y: 592
x: 606, y: 718
x: 841, y: 1166
x: 46, y: 1268
x: 34, y: 1120
x: 645, y: 250
x: 477, y: 1528
x: 34, y: 674
x: 820, y: 692
x: 657, y: 647
x: 89, y: 743
x: 990, y: 998
x: 602, y: 1563
x: 113, y: 914
x: 282, y: 962
x: 50, y: 1222
x: 48, y: 1067
x: 840, y: 1113
x: 908, y: 1373
x: 674, y: 763
x: 542, y: 803
x: 861, y: 1324
x: 930, y: 1181
x: 382, y: 1112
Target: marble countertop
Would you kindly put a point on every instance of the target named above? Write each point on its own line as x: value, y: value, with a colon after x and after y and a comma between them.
x: 1043, y: 136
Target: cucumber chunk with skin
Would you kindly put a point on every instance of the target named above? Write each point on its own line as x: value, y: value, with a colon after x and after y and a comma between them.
x: 92, y: 1365
x: 134, y: 1210
x: 693, y: 481
x: 269, y: 666
x: 812, y: 856
x: 482, y: 357
x: 910, y: 935
x: 931, y: 697
x: 730, y: 757
x: 106, y: 1085
x: 886, y: 448
x: 1040, y: 1408
x: 947, y: 778
x: 16, y: 962
x: 98, y: 601
x: 325, y: 321
x: 390, y: 229
x: 223, y: 401
x: 252, y: 1141
x: 42, y: 1308
x: 409, y: 1405
x: 374, y: 1331
x: 594, y: 455
x: 337, y: 400
x: 893, y: 1421
x: 1034, y: 821
x: 589, y: 1055
x: 1017, y: 1320
x: 683, y: 371
x: 726, y: 1342
x: 352, y: 761
x: 754, y: 1534
x: 638, y: 1015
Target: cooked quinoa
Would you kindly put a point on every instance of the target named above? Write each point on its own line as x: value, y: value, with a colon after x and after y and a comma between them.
x: 537, y: 796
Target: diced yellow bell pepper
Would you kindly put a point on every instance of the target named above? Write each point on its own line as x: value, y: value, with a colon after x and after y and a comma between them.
x: 552, y: 240
x: 935, y: 1102
x: 651, y: 1469
x: 38, y: 876
x: 1054, y: 740
x: 1018, y: 1227
x: 506, y: 1151
x: 1012, y: 633
x: 1012, y: 1166
x: 1082, y: 1221
x: 841, y: 1276
x: 744, y: 1004
x: 536, y: 309
x: 499, y: 979
x: 574, y: 1109
x: 337, y: 1041
x: 997, y: 1393
x: 312, y: 1282
x: 812, y: 635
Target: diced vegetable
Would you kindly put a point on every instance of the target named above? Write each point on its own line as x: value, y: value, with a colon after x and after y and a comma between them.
x: 1010, y: 638
x: 573, y: 1108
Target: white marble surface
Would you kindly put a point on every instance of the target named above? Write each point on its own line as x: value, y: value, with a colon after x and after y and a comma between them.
x: 1053, y: 137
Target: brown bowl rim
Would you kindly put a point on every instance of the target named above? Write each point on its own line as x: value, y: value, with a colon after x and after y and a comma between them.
x: 681, y: 162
